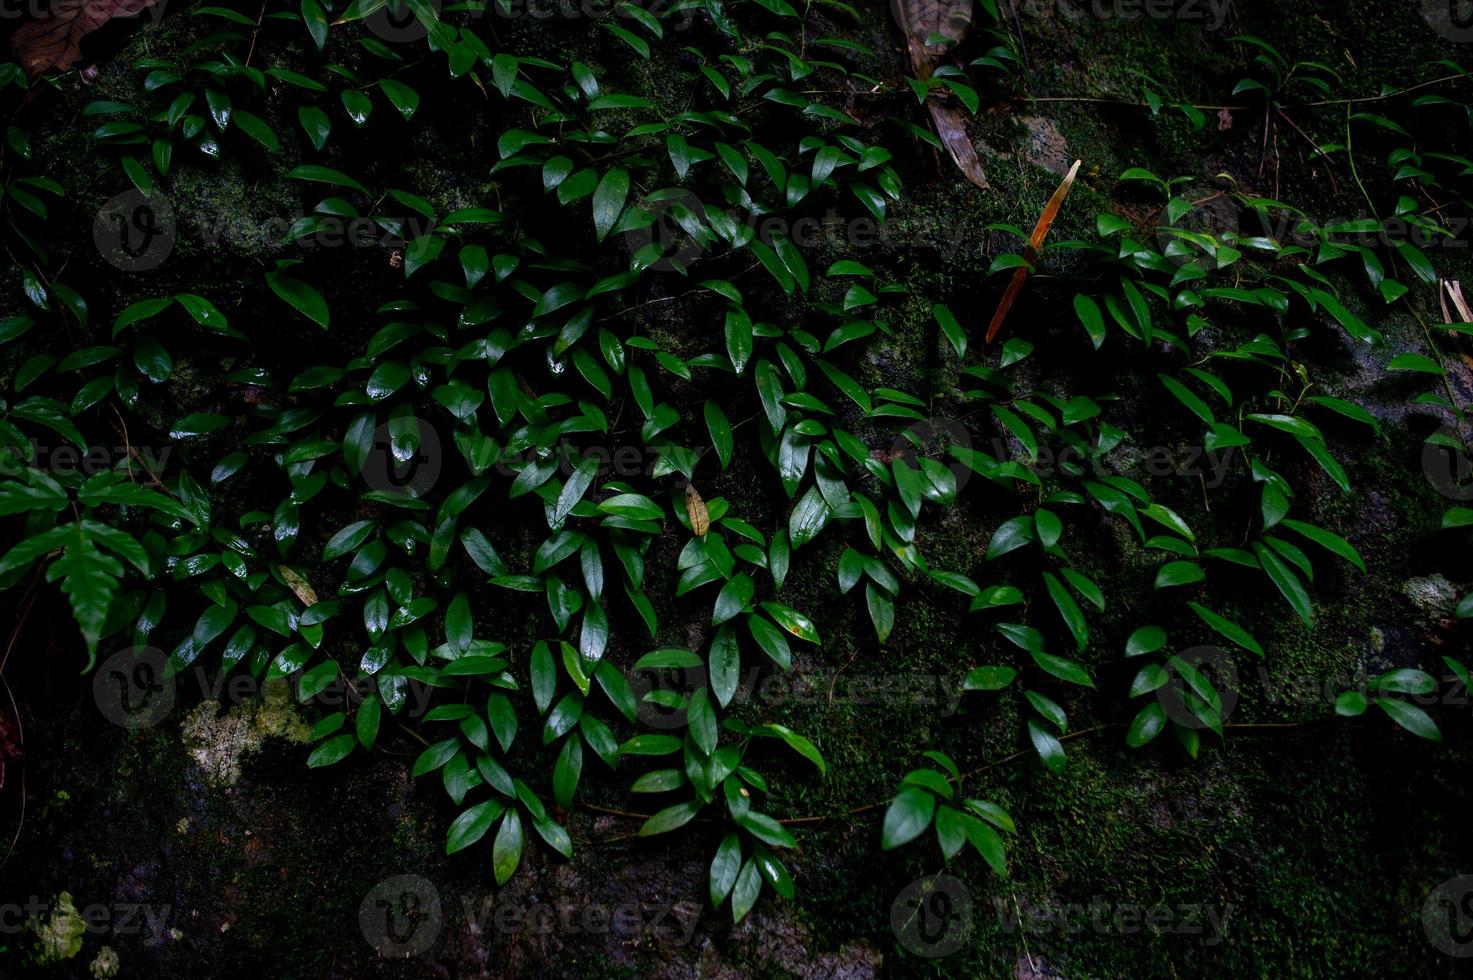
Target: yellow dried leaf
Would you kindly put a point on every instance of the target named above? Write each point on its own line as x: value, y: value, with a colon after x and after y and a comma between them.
x: 299, y: 585
x: 695, y: 509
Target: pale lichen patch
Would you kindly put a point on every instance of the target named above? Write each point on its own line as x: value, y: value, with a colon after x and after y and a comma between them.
x: 59, y: 937
x: 218, y: 742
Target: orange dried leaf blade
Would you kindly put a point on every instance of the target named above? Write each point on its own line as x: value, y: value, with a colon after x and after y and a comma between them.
x: 54, y: 40
x: 1035, y: 242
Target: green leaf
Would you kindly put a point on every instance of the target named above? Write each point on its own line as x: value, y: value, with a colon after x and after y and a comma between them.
x: 472, y: 825
x: 90, y: 578
x: 808, y: 518
x: 720, y: 430
x: 1410, y: 717
x: 1287, y: 582
x: 725, y: 665
x: 1179, y: 573
x: 796, y: 742
x: 577, y: 485
x: 989, y: 678
x: 1146, y: 725
x: 332, y: 751
x: 506, y: 852
x: 1414, y: 362
x: 987, y: 843
x: 608, y: 200
x: 1062, y: 668
x: 326, y: 175
x: 203, y: 311
x: 724, y: 868
x: 405, y: 99
x: 734, y: 598
x: 1332, y: 542
x: 1069, y: 609
x: 1010, y: 536
x: 793, y: 621
x: 1227, y: 628
x: 1093, y: 321
x: 771, y: 640
x: 908, y: 816
x: 951, y: 328
x: 302, y: 297
x: 670, y: 818
x: 1188, y: 398
x: 1147, y: 639
x: 1048, y: 747
x: 744, y: 894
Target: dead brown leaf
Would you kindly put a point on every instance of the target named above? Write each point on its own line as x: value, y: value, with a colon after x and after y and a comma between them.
x: 920, y: 19
x: 54, y: 40
x: 299, y: 585
x: 1030, y: 254
x: 1455, y: 290
x: 951, y: 126
x: 695, y: 509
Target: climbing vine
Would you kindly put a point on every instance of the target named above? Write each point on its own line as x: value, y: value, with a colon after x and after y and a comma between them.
x: 528, y: 410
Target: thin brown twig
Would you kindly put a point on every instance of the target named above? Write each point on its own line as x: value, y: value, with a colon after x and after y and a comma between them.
x: 21, y: 734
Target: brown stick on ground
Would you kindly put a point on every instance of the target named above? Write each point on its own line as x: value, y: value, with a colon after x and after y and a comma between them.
x: 1040, y: 231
